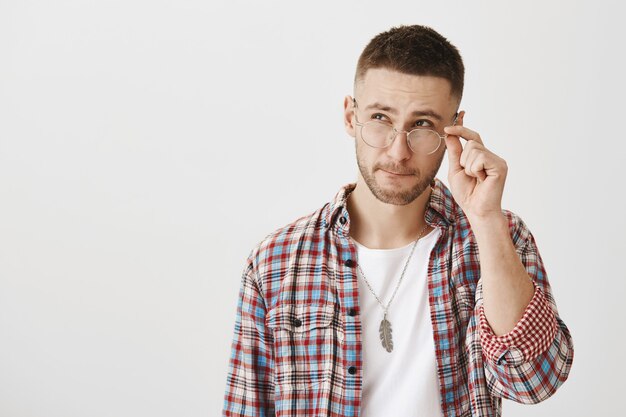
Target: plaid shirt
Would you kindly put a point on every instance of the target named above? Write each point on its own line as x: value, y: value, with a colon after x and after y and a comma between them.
x: 297, y: 346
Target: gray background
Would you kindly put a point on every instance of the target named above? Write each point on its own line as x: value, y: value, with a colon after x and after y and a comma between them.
x: 147, y: 146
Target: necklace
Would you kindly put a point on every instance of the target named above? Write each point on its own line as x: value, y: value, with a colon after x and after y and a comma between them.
x: 385, y: 325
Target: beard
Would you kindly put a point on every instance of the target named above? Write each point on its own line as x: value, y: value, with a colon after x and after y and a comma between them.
x: 398, y: 196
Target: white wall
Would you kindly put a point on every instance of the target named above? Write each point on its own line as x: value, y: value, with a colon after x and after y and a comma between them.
x: 147, y: 146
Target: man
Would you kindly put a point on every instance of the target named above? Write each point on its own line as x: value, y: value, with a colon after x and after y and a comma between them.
x: 378, y: 303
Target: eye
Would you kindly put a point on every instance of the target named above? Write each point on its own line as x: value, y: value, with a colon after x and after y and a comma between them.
x: 380, y: 117
x: 424, y: 123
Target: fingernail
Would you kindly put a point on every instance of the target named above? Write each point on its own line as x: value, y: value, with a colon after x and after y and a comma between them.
x: 446, y: 129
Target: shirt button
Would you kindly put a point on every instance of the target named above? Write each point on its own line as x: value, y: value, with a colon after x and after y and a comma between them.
x: 342, y: 220
x: 352, y: 312
x: 297, y: 322
x: 350, y: 263
x: 352, y: 370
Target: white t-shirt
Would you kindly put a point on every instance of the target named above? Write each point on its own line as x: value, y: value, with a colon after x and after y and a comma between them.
x: 403, y: 382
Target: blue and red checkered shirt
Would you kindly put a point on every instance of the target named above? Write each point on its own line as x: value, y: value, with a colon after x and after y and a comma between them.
x: 297, y: 346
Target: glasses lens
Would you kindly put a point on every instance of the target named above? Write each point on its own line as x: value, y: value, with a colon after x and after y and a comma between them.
x: 376, y: 134
x: 424, y: 141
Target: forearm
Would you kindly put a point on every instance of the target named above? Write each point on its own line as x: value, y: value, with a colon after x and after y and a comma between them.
x: 507, y: 287
x: 529, y: 357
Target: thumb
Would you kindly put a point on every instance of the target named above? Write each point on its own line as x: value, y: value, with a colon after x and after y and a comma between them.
x: 453, y: 144
x: 454, y: 147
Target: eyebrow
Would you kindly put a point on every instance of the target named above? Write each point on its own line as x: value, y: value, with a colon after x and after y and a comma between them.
x: 426, y: 112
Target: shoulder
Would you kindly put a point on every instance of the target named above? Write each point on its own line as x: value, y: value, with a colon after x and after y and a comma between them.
x: 297, y: 235
x: 518, y: 229
x: 279, y: 256
x: 520, y: 233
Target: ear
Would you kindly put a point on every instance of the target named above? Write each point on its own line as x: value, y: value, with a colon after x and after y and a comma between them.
x: 348, y: 116
x: 459, y: 120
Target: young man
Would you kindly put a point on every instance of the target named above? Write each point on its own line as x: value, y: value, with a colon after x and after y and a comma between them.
x: 378, y: 303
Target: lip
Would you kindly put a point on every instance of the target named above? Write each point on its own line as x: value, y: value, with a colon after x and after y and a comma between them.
x: 394, y: 174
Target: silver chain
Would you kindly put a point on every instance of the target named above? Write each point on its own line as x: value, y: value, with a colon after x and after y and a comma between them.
x: 385, y: 309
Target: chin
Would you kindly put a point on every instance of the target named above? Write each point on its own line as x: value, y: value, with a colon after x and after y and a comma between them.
x: 399, y: 194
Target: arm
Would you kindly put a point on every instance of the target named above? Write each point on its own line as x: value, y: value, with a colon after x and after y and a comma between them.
x: 533, y: 358
x: 477, y: 178
x: 528, y: 351
x: 250, y: 381
x: 507, y: 288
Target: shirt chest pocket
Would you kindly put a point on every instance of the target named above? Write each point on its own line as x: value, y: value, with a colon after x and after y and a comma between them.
x: 306, y: 343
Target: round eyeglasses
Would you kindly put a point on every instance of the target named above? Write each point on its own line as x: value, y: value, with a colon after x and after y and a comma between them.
x: 379, y: 134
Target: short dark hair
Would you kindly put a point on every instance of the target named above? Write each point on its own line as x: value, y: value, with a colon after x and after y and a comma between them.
x: 415, y: 50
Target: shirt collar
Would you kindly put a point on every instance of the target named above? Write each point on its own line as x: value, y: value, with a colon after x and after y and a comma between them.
x: 442, y: 209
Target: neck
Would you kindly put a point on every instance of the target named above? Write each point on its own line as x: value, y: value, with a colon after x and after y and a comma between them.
x: 378, y: 225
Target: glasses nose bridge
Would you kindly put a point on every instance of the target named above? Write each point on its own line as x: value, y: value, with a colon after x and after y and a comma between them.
x: 396, y: 132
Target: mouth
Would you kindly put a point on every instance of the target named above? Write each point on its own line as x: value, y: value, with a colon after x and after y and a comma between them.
x: 396, y: 174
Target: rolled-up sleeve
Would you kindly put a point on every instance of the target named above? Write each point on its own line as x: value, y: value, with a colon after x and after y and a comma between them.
x: 530, y: 337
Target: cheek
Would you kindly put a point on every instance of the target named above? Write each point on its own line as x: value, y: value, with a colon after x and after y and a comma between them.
x: 366, y: 157
x: 437, y: 159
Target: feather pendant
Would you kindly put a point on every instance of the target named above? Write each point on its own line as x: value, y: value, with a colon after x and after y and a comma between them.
x: 385, y: 334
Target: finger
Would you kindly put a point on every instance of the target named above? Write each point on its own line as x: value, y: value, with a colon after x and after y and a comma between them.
x: 464, y: 133
x: 476, y: 167
x: 468, y: 152
x: 454, y: 147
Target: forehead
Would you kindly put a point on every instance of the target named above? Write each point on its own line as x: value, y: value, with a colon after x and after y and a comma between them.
x: 405, y: 91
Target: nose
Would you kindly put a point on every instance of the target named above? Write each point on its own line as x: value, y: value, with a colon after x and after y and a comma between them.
x: 399, y: 149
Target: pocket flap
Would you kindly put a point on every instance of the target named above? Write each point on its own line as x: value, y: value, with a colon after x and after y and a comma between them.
x: 300, y: 317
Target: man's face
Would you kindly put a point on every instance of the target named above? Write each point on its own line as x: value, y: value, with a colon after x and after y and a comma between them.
x: 397, y: 175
